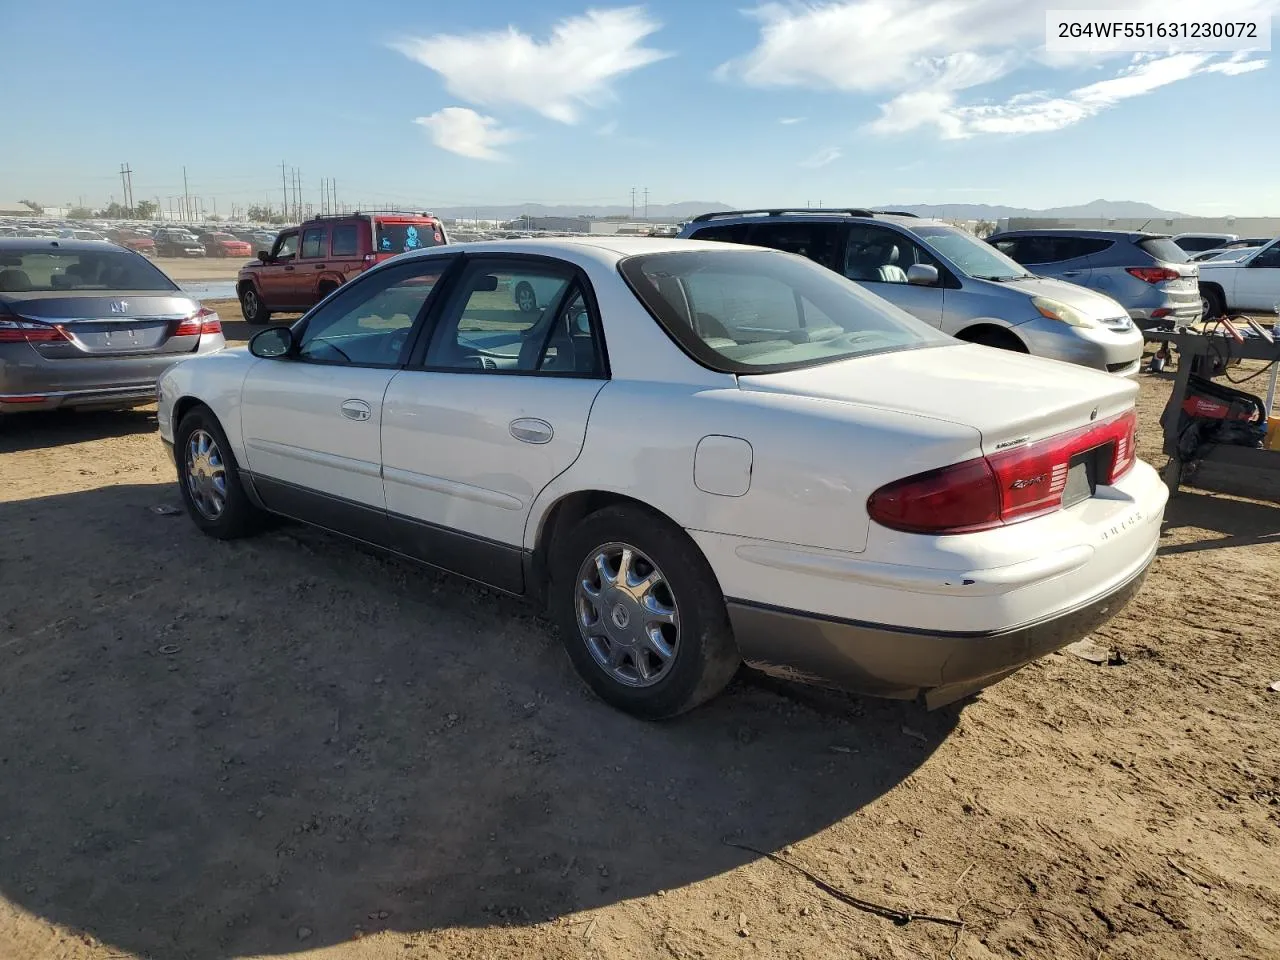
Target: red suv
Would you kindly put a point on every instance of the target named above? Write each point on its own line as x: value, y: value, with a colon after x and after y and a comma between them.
x: 309, y: 262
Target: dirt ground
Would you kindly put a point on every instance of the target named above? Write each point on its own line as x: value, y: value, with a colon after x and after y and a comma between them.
x: 200, y: 268
x: 291, y: 746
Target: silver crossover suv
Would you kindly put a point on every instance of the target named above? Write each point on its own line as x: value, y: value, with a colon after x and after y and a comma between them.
x: 84, y: 323
x: 946, y: 277
x: 1147, y: 272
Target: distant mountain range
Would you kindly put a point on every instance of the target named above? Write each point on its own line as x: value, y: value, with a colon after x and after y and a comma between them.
x: 1097, y: 209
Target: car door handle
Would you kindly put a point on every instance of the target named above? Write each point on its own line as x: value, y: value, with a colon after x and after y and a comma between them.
x: 1072, y: 273
x: 531, y: 430
x: 355, y: 410
x: 319, y: 266
x: 288, y: 268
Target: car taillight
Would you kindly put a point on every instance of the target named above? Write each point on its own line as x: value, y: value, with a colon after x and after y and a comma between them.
x: 203, y: 321
x: 1005, y: 487
x: 370, y: 259
x: 1153, y: 274
x: 20, y: 331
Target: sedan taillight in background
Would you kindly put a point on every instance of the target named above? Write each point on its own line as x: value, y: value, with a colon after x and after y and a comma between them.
x: 21, y: 331
x: 204, y: 321
x: 1005, y: 487
x: 1153, y: 274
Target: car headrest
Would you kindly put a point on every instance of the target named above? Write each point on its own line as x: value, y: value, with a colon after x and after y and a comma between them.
x: 14, y: 281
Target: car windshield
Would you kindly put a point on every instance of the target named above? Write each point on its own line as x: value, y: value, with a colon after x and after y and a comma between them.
x: 24, y: 271
x: 970, y: 255
x: 748, y: 311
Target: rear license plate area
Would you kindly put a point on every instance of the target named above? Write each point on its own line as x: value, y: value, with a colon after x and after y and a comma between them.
x: 1083, y: 471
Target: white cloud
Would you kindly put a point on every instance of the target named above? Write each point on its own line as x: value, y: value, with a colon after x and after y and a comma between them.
x: 822, y: 157
x: 607, y: 129
x: 557, y: 77
x: 925, y: 57
x: 467, y: 133
x: 788, y: 121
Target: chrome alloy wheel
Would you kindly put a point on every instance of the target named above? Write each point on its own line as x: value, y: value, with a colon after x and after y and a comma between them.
x: 206, y: 475
x: 627, y: 615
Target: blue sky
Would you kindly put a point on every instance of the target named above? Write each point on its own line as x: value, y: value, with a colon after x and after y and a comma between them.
x: 441, y: 103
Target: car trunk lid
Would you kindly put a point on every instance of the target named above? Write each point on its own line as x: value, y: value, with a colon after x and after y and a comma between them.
x: 117, y: 323
x: 1010, y: 398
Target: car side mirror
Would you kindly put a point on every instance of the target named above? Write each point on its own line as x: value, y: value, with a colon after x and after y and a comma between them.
x: 922, y: 275
x: 274, y: 343
x: 264, y: 256
x: 486, y: 284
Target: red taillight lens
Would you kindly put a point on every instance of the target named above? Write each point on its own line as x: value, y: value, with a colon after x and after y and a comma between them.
x: 370, y: 259
x: 957, y: 499
x: 20, y: 331
x: 1153, y: 274
x: 1003, y: 488
x: 203, y: 321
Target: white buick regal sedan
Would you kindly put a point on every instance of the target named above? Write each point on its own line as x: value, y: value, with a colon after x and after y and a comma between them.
x: 696, y: 455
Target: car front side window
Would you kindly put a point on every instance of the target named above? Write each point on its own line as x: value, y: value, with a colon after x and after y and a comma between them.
x: 285, y: 248
x: 877, y: 255
x: 369, y: 323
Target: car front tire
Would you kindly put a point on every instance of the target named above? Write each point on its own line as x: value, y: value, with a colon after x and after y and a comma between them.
x: 209, y: 479
x: 252, y: 308
x: 640, y: 613
x: 1212, y: 304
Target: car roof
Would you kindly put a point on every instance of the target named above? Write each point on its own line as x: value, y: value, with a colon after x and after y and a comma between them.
x: 817, y: 215
x: 615, y: 247
x: 59, y: 243
x: 1134, y: 235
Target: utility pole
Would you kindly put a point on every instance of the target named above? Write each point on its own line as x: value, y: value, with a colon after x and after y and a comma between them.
x: 215, y: 208
x: 284, y: 209
x: 126, y: 184
x: 333, y: 187
x: 186, y: 194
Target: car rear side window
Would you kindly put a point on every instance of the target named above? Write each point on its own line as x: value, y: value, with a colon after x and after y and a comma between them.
x: 726, y: 233
x: 517, y: 317
x: 817, y: 241
x: 313, y: 243
x: 344, y: 242
x: 1162, y: 248
x: 400, y: 236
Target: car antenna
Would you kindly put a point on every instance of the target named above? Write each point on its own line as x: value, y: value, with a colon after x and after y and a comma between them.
x: 1144, y: 226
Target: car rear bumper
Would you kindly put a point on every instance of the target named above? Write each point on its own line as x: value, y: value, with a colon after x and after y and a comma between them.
x: 897, y: 662
x: 30, y: 381
x: 105, y: 397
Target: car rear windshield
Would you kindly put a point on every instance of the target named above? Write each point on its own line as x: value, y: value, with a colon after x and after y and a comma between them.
x: 757, y: 311
x: 397, y: 237
x: 1162, y: 248
x: 40, y: 270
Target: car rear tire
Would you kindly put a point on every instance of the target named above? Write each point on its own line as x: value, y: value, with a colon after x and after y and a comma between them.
x: 209, y: 479
x: 994, y: 337
x: 251, y: 306
x: 325, y: 289
x: 525, y: 298
x: 1212, y: 303
x: 640, y: 613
